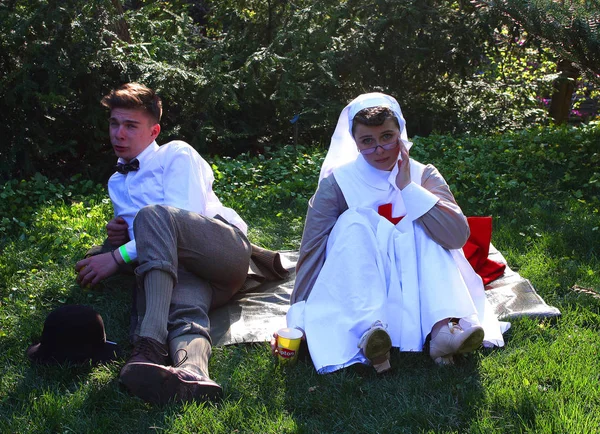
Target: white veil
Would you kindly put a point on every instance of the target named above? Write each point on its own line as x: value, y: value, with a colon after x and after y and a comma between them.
x: 343, y: 149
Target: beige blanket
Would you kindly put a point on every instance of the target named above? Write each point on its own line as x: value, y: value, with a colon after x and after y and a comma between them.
x: 254, y: 315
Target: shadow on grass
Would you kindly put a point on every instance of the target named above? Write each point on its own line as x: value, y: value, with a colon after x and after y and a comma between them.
x: 75, y: 398
x: 416, y: 395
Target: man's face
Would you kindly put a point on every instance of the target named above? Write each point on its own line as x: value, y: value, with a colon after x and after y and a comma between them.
x: 131, y: 131
x: 371, y: 136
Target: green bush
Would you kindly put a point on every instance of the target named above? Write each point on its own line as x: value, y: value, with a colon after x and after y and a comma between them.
x: 22, y: 201
x: 549, y: 163
x: 241, y: 77
x: 52, y: 73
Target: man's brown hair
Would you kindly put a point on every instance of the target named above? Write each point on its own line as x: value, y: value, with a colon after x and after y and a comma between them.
x: 373, y: 116
x: 135, y: 96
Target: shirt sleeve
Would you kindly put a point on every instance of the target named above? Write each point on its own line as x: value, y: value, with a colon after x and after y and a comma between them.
x: 186, y: 180
x: 324, y: 208
x: 445, y: 222
x: 131, y: 249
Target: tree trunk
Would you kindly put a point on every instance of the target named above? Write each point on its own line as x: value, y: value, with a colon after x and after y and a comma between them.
x: 122, y: 30
x: 564, y: 86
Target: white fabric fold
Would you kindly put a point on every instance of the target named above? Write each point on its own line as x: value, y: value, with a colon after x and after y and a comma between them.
x: 295, y: 315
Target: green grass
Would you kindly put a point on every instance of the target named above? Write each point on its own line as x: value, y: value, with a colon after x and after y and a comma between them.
x: 542, y: 187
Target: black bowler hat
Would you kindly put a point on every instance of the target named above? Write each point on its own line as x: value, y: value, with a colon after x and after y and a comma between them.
x: 73, y: 334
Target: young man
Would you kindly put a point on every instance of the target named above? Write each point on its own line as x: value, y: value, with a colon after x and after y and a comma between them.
x: 189, y: 251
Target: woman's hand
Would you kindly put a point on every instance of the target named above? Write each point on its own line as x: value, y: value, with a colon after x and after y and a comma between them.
x: 403, y: 176
x: 94, y: 269
x: 273, y: 342
x: 274, y: 345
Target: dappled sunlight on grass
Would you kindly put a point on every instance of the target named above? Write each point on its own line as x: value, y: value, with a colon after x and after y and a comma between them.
x: 541, y: 188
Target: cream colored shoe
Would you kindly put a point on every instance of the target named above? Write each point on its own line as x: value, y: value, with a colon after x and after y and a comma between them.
x: 453, y: 339
x: 375, y: 344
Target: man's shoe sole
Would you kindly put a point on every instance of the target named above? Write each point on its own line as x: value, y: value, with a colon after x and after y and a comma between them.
x: 159, y: 385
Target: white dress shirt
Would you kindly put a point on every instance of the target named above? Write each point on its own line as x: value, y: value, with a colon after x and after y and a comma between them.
x: 173, y: 174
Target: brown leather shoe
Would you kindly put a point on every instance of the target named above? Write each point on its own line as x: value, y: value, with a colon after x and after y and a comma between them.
x: 148, y: 350
x: 160, y: 384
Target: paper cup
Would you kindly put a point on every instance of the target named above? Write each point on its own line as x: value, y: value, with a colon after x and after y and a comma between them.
x: 288, y: 343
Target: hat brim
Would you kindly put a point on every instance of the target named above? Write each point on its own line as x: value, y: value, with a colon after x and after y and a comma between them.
x: 38, y: 353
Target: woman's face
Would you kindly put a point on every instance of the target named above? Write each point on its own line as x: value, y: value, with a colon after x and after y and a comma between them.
x: 376, y: 136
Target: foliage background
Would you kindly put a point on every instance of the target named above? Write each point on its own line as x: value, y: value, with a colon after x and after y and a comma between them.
x: 234, y: 74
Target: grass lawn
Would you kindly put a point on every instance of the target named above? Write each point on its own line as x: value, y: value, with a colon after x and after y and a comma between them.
x: 542, y: 186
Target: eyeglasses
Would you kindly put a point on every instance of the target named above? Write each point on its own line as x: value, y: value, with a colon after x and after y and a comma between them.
x: 387, y: 147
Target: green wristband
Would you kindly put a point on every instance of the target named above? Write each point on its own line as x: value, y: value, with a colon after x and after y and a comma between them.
x: 124, y: 254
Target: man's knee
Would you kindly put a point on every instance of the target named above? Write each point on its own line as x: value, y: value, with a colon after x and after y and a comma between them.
x: 150, y: 215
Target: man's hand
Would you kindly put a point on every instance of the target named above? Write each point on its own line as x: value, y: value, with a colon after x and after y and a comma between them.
x: 94, y: 269
x: 116, y: 230
x: 403, y: 176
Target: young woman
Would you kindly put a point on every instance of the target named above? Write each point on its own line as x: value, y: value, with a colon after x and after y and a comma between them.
x: 380, y: 262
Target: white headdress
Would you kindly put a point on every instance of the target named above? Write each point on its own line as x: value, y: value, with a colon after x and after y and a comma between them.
x: 343, y: 149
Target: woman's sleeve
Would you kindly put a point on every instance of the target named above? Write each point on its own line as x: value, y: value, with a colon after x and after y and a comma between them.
x: 324, y: 208
x: 445, y: 223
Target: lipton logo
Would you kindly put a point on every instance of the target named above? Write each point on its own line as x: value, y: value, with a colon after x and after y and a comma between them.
x: 286, y: 354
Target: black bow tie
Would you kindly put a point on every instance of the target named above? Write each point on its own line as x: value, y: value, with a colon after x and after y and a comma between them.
x: 125, y: 168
